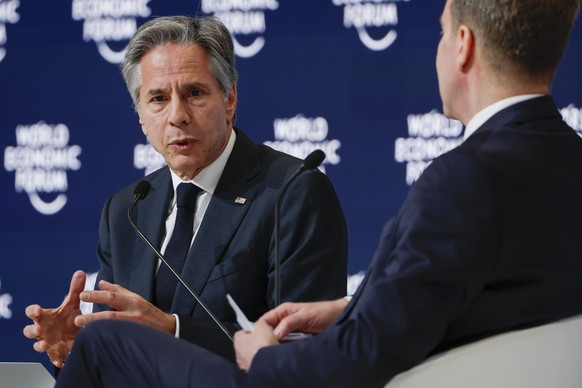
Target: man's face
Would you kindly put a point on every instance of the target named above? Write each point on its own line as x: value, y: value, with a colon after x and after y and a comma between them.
x: 446, y: 60
x: 182, y: 109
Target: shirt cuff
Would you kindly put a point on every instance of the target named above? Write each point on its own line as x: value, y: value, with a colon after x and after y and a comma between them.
x: 177, y: 333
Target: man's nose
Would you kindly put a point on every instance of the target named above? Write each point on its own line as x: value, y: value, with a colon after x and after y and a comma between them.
x: 179, y: 112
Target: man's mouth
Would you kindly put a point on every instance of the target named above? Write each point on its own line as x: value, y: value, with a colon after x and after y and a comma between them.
x: 182, y: 143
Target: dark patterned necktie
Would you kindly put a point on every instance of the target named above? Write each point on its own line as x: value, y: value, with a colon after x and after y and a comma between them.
x: 177, y: 249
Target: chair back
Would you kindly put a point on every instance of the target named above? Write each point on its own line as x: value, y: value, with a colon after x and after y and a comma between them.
x: 540, y: 357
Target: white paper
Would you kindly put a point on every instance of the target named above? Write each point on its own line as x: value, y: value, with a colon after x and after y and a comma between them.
x: 245, y: 324
x: 241, y: 318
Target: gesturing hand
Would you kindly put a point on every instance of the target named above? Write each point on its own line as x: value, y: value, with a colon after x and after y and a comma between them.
x: 54, y: 329
x: 128, y: 306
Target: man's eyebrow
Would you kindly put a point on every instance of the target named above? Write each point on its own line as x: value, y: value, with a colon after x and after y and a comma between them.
x: 195, y: 85
x: 188, y: 86
x: 155, y: 91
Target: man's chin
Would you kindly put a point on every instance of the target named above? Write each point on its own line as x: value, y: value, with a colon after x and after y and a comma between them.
x: 186, y: 171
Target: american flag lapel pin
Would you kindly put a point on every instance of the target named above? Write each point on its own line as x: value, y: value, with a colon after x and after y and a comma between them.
x: 240, y: 200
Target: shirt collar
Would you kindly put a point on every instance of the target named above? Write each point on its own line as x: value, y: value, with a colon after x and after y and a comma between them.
x: 208, y: 178
x: 485, y: 114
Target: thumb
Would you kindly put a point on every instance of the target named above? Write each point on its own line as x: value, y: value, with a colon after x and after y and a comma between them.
x: 262, y: 325
x: 33, y: 312
x: 77, y: 286
x: 286, y: 326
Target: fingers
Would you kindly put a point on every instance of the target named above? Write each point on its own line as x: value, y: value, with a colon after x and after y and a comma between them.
x: 246, y: 343
x: 112, y: 295
x: 101, y: 297
x: 300, y: 320
x: 33, y: 312
x: 263, y: 327
x: 110, y: 290
x: 75, y: 288
x: 286, y: 326
x: 85, y: 319
x: 55, y: 357
x: 271, y: 317
x: 78, y: 281
x: 108, y: 294
x: 274, y: 316
x: 106, y: 286
x: 31, y: 331
x: 283, y: 318
x: 40, y: 346
x: 128, y: 306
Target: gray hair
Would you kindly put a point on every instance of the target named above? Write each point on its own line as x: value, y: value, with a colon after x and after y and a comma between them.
x: 205, y: 31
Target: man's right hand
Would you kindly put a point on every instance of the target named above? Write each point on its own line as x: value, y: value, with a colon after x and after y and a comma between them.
x: 304, y: 317
x: 54, y: 329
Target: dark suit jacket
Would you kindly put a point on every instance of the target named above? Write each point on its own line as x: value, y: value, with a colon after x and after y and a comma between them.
x: 488, y: 240
x: 234, y: 249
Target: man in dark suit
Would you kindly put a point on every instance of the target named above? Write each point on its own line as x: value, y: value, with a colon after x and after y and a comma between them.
x: 181, y: 76
x: 487, y: 240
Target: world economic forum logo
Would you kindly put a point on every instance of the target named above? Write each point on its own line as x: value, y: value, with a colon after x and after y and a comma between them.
x: 429, y: 135
x: 572, y: 115
x: 110, y: 23
x: 8, y: 14
x: 5, y: 302
x: 40, y: 160
x: 245, y: 20
x: 146, y: 158
x: 364, y: 15
x: 300, y: 135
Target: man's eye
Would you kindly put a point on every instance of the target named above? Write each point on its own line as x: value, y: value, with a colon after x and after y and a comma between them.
x: 158, y: 98
x: 195, y: 93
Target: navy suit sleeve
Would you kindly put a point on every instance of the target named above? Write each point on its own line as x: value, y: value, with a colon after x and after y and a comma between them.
x: 313, y: 245
x: 433, y: 263
x: 104, y: 253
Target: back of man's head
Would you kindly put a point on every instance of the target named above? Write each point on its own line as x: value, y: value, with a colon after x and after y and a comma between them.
x: 519, y: 38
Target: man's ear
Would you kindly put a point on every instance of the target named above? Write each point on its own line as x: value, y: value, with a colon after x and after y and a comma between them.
x: 465, y: 48
x: 143, y: 128
x: 230, y: 104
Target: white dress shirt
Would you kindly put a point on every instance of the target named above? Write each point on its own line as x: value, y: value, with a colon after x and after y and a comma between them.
x: 485, y: 114
x: 207, y: 180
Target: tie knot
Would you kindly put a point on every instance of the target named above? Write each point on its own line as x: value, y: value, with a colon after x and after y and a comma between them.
x: 186, y: 195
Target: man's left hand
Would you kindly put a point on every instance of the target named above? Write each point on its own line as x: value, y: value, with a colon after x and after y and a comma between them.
x: 248, y: 343
x: 128, y: 306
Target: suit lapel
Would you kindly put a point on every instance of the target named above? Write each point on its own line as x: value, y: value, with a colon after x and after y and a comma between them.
x: 221, y: 220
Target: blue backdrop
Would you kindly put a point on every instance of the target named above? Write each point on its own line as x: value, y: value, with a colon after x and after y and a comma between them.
x: 353, y: 77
